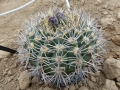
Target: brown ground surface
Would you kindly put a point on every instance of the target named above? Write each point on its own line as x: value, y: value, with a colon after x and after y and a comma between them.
x: 11, y: 23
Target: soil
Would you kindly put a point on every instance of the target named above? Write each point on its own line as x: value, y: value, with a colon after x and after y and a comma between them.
x: 11, y: 24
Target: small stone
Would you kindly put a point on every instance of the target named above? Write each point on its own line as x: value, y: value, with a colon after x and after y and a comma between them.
x: 34, y: 80
x: 118, y: 79
x: 61, y: 3
x: 108, y: 21
x: 72, y: 87
x: 66, y: 88
x: 41, y: 88
x: 9, y: 79
x: 109, y: 85
x: 97, y: 74
x: 83, y: 88
x: 4, y: 54
x: 116, y: 39
x: 21, y: 69
x: 18, y: 88
x: 41, y: 82
x: 111, y: 68
x: 80, y: 84
x: 118, y: 16
x: 105, y: 12
x: 93, y: 79
x: 105, y: 6
x: 91, y: 84
x: 98, y: 2
x: 4, y: 73
x: 82, y: 1
x: 76, y: 86
x: 118, y: 84
x: 47, y: 88
x: 9, y: 73
x: 24, y: 80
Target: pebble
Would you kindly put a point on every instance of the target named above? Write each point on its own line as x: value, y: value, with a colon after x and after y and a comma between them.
x: 80, y: 84
x: 111, y: 68
x: 18, y: 88
x: 34, y: 80
x: 47, y: 88
x: 9, y: 79
x: 105, y: 12
x: 116, y: 39
x: 4, y: 54
x: 93, y: 79
x: 107, y: 22
x: 109, y: 85
x: 118, y: 16
x: 41, y: 88
x: 76, y: 86
x: 72, y: 87
x: 66, y: 88
x: 83, y: 88
x: 9, y: 73
x: 105, y: 6
x: 118, y: 84
x: 91, y: 84
x: 24, y: 80
x: 98, y: 2
x: 118, y: 79
x: 97, y: 74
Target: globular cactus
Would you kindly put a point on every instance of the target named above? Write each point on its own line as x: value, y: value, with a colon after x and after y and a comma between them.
x: 61, y: 47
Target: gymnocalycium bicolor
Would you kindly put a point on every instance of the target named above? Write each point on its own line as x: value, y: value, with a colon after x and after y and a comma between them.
x: 61, y: 47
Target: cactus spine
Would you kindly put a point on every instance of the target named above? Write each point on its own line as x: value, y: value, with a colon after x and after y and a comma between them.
x: 61, y: 47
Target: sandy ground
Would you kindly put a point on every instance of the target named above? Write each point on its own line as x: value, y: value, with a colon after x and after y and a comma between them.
x: 10, y: 25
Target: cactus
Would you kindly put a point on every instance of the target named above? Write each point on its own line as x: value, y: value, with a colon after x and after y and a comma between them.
x: 61, y: 47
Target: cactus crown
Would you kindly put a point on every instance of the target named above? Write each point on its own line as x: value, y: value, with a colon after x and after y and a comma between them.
x: 61, y: 47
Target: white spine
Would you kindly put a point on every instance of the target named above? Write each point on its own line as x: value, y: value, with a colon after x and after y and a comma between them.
x: 67, y: 3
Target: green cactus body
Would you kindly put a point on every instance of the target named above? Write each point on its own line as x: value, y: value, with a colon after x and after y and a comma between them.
x: 62, y: 47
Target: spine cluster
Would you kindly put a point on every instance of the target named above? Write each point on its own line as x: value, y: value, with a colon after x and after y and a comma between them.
x: 61, y: 46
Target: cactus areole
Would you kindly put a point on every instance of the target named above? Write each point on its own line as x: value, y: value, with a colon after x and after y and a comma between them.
x: 61, y: 47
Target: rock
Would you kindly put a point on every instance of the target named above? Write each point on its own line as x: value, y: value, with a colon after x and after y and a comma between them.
x: 9, y: 73
x: 18, y: 88
x: 83, y: 88
x: 41, y: 88
x: 97, y: 74
x: 118, y: 16
x: 98, y: 2
x: 91, y: 84
x: 4, y: 54
x: 72, y: 87
x: 82, y: 1
x: 118, y: 79
x: 105, y: 6
x: 47, y: 88
x: 92, y: 79
x: 107, y: 22
x: 105, y: 12
x: 80, y: 84
x: 9, y: 79
x: 118, y: 84
x: 116, y: 39
x: 61, y: 3
x: 109, y: 85
x: 24, y: 80
x: 111, y: 68
x: 41, y: 82
x: 34, y: 80
x: 66, y: 88
x: 76, y: 86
